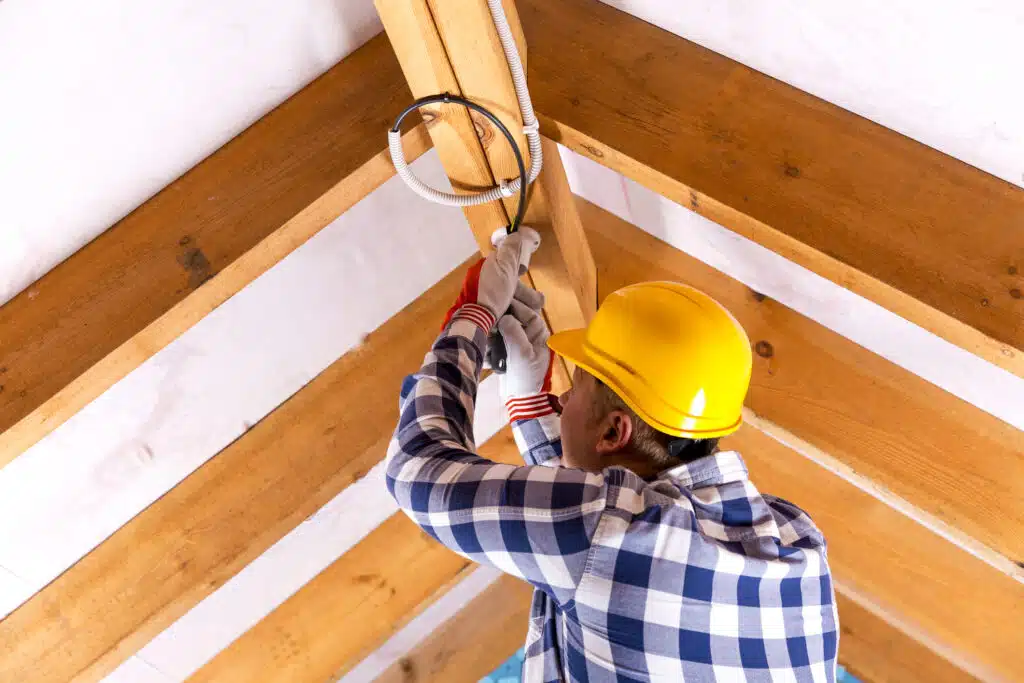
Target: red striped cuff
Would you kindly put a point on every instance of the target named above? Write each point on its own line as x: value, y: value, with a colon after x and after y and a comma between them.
x: 477, y: 314
x: 530, y: 407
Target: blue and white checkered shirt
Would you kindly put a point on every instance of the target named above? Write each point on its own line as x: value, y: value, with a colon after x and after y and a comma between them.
x: 694, y: 576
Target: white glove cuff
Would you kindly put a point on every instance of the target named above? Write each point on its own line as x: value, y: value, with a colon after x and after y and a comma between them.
x: 477, y: 314
x: 530, y: 407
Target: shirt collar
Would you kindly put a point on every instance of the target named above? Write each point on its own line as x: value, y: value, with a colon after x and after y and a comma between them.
x: 712, y: 470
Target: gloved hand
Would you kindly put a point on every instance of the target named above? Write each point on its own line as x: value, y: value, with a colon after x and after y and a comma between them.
x: 526, y: 385
x: 491, y: 283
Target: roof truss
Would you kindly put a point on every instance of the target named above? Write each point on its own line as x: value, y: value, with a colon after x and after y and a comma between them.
x: 846, y: 198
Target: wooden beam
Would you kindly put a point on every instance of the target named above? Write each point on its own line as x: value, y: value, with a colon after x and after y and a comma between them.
x: 447, y: 46
x: 492, y: 627
x: 875, y: 652
x: 902, y: 564
x: 910, y: 437
x: 135, y: 288
x: 923, y: 586
x: 352, y: 607
x: 233, y: 508
x: 928, y: 237
x: 227, y: 512
x: 474, y: 642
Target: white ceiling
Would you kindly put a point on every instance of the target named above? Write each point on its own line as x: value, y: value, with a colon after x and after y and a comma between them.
x: 105, y: 102
x: 102, y: 103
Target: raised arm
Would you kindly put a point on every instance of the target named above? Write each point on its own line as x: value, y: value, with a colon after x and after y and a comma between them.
x: 532, y: 522
x: 526, y: 387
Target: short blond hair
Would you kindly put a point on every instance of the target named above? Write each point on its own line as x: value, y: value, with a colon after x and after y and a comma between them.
x: 648, y: 441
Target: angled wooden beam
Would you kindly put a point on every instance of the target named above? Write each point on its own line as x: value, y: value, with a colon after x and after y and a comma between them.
x: 452, y: 46
x: 924, y: 587
x: 135, y: 288
x: 937, y: 241
x: 227, y: 512
x: 492, y: 627
x: 474, y: 642
x: 871, y: 415
x: 875, y: 652
x: 352, y: 607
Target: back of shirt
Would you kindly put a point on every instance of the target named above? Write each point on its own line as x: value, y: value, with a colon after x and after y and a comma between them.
x: 693, y: 576
x: 697, y: 576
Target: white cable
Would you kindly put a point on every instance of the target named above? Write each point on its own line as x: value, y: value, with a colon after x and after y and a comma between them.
x: 531, y: 128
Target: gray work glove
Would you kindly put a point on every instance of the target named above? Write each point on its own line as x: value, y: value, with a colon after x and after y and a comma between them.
x: 526, y: 385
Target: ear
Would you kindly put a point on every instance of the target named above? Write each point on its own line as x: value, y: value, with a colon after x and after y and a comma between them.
x: 616, y: 431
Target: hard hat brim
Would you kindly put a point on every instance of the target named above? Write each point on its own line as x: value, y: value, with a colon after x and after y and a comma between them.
x: 572, y: 345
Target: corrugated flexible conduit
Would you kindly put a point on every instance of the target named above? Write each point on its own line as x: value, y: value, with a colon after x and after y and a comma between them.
x: 531, y: 128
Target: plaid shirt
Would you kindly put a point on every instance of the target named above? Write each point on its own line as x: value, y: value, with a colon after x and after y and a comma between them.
x: 694, y: 576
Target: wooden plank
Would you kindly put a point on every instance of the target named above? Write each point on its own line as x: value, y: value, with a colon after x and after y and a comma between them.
x: 487, y: 631
x: 470, y: 42
x: 885, y: 423
x: 426, y: 68
x: 453, y: 47
x: 230, y: 510
x: 352, y: 607
x: 933, y: 239
x: 875, y: 652
x: 935, y: 593
x: 202, y: 532
x: 474, y: 642
x: 567, y: 227
x: 904, y: 564
x: 132, y: 290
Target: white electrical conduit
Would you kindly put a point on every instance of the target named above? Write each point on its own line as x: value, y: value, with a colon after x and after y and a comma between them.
x: 530, y: 127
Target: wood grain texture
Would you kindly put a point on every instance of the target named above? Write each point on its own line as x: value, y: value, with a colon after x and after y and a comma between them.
x: 453, y: 47
x: 875, y: 652
x: 474, y: 642
x: 933, y: 239
x: 929, y: 447
x: 933, y: 592
x: 426, y: 67
x: 128, y: 293
x: 202, y: 532
x: 474, y: 51
x: 234, y: 507
x: 567, y: 228
x: 353, y: 606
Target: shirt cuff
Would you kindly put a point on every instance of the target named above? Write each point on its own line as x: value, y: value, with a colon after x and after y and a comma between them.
x: 531, y: 407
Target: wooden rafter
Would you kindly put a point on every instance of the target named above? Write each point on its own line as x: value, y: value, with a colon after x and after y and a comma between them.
x: 875, y: 417
x: 491, y: 627
x: 249, y: 496
x: 474, y: 642
x: 724, y: 132
x: 354, y: 605
x: 875, y: 652
x: 925, y: 235
x: 906, y: 572
x: 808, y: 180
x: 222, y: 516
x: 454, y: 47
x: 135, y: 288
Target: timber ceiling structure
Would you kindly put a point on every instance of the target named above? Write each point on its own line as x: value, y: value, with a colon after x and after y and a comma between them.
x: 930, y: 579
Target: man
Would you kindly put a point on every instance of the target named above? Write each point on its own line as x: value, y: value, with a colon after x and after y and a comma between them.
x: 653, y: 556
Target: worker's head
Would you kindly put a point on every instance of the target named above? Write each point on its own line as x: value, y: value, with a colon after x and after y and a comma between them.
x: 662, y: 371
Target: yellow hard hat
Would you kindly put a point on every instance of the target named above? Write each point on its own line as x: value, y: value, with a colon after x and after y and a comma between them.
x: 675, y: 356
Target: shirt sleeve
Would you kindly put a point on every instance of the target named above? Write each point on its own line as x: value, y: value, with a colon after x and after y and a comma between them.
x: 533, y: 522
x: 539, y: 440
